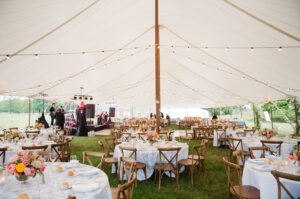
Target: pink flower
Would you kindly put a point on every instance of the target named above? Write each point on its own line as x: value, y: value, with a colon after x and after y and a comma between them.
x: 14, y: 159
x: 26, y: 162
x: 35, y: 154
x: 43, y: 168
x: 11, y: 168
x: 38, y: 164
x: 29, y: 171
x: 296, y: 158
x: 290, y: 157
x: 20, y: 154
x: 26, y: 157
x: 17, y: 139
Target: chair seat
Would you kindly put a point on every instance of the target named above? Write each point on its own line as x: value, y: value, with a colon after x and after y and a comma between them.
x: 188, y: 162
x: 247, y: 192
x: 222, y: 139
x: 196, y: 157
x: 245, y: 153
x: 110, y: 160
x: 164, y: 167
x: 139, y: 165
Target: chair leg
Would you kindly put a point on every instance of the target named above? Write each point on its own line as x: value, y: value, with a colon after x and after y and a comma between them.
x: 192, y: 175
x: 145, y: 172
x: 136, y: 178
x: 159, y: 179
x: 155, y: 174
x: 177, y: 176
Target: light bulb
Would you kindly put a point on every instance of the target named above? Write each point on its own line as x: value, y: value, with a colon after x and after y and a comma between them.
x: 251, y: 49
x: 279, y: 48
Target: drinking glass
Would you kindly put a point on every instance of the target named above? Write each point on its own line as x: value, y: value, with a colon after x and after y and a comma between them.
x: 52, y: 156
x: 73, y: 157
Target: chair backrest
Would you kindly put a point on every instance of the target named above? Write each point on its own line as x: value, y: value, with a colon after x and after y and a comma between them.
x: 231, y: 175
x: 131, y: 149
x: 110, y: 144
x: 277, y: 175
x: 274, y: 146
x: 13, y: 128
x: 53, y: 138
x: 237, y: 155
x: 241, y: 134
x: 141, y: 135
x: 59, y: 150
x: 128, y: 166
x: 260, y: 148
x: 185, y: 138
x: 101, y: 146
x: 88, y: 154
x: 42, y: 147
x: 198, y: 151
x: 162, y: 156
x: 2, y: 153
x: 221, y: 134
x: 125, y: 190
x: 32, y: 133
x: 234, y: 143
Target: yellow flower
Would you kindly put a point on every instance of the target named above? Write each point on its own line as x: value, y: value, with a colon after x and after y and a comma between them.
x: 20, y: 167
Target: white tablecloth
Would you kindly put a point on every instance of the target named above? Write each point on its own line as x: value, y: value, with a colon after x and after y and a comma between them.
x: 150, y: 156
x: 228, y: 131
x: 44, y: 133
x: 95, y: 178
x: 266, y: 183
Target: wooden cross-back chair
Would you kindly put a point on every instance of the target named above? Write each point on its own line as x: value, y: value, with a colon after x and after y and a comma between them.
x: 195, y: 160
x: 277, y: 175
x: 13, y: 128
x: 42, y: 147
x: 2, y: 153
x: 141, y: 135
x: 222, y: 137
x: 88, y: 154
x: 59, y: 150
x: 101, y: 146
x: 124, y: 191
x: 241, y: 134
x: 32, y: 133
x: 250, y: 131
x: 126, y: 136
x: 260, y: 148
x: 110, y: 144
x: 276, y: 149
x: 164, y: 134
x: 61, y: 131
x: 199, y: 133
x: 185, y: 139
x: 132, y: 154
x: 53, y: 138
x: 236, y: 144
x: 239, y: 190
x: 126, y: 167
x: 170, y: 167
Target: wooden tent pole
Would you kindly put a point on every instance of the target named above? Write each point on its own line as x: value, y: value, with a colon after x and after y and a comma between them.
x: 241, y: 111
x: 296, y: 116
x: 254, y: 115
x: 271, y: 111
x: 157, y: 68
x: 29, y: 111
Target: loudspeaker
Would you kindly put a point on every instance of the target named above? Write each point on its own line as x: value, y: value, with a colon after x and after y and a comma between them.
x: 112, y: 112
x: 90, y: 110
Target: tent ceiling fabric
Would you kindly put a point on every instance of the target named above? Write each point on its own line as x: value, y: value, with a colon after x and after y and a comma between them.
x: 190, y: 76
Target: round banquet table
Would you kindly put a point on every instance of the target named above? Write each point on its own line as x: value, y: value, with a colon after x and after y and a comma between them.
x: 263, y: 180
x: 216, y: 143
x: 88, y: 183
x: 149, y: 155
x: 13, y: 148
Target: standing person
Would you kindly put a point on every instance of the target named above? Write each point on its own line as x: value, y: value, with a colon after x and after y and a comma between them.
x: 62, y: 110
x: 151, y: 115
x: 52, y: 113
x: 214, y: 117
x: 60, y: 119
x: 105, y: 116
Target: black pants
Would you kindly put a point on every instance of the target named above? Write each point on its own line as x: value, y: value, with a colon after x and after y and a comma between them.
x: 52, y: 119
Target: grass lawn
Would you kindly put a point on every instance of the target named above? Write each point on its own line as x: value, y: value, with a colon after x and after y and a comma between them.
x: 211, y: 186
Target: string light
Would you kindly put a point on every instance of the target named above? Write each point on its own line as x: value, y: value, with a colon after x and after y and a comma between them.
x: 227, y: 48
x: 36, y: 56
x: 61, y: 54
x: 7, y: 56
x: 279, y: 48
x: 83, y: 53
x: 251, y: 49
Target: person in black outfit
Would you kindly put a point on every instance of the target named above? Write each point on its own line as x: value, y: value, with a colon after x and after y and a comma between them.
x: 43, y: 121
x: 214, y: 117
x: 52, y: 113
x: 161, y: 115
x: 105, y: 117
x: 151, y: 115
x: 60, y: 119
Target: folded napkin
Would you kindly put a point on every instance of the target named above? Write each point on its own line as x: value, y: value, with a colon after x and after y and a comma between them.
x: 85, y: 187
x: 88, y: 173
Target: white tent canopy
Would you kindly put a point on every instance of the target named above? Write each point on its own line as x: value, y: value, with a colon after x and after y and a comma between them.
x: 107, y: 47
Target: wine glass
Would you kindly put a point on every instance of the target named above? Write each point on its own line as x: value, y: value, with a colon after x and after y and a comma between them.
x: 52, y: 156
x: 73, y: 157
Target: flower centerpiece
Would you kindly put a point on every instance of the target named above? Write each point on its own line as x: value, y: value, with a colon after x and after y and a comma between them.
x: 296, y: 154
x: 267, y: 133
x: 38, y: 125
x: 25, y: 164
x: 14, y: 135
x: 214, y: 121
x: 152, y: 137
